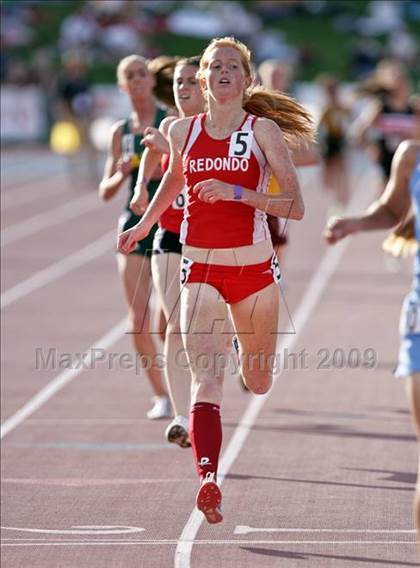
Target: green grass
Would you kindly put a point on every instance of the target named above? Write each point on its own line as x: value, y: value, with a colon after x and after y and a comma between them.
x: 172, y: 44
x: 330, y: 50
x: 48, y: 32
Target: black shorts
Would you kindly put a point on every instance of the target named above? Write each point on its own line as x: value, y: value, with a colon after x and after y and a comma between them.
x: 166, y: 241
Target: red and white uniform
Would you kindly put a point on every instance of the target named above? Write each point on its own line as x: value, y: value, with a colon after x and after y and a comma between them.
x: 171, y: 219
x: 237, y: 160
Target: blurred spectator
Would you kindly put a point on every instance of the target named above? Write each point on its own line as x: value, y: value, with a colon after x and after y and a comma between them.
x: 384, y: 17
x: 365, y: 55
x: 237, y: 19
x: 120, y: 39
x: 391, y: 116
x: 75, y: 104
x: 402, y: 45
x: 159, y: 6
x: 15, y: 26
x: 332, y: 129
x: 203, y: 19
x: 18, y: 73
x: 44, y: 72
x: 73, y: 92
x: 412, y: 10
x: 272, y: 44
x: 318, y: 6
x: 118, y: 34
x: 78, y: 30
x: 277, y: 75
x: 111, y: 7
x: 273, y: 9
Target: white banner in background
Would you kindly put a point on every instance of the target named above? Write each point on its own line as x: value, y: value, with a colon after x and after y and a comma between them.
x: 22, y: 114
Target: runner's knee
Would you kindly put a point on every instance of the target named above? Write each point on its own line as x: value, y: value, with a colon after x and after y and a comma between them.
x: 258, y: 383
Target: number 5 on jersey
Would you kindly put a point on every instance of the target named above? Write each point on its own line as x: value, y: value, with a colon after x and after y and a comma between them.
x: 240, y: 145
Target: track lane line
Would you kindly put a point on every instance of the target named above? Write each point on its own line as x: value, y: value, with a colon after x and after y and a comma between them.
x: 58, y: 269
x: 154, y: 542
x: 49, y: 218
x: 13, y: 201
x: 314, y: 291
x: 61, y: 380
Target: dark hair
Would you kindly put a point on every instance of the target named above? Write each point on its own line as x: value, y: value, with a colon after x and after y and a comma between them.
x: 193, y: 61
x: 162, y: 68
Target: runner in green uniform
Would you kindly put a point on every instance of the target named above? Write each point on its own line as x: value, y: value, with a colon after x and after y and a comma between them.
x: 132, y: 148
x: 135, y: 79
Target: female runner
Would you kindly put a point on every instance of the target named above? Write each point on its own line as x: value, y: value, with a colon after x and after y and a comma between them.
x: 166, y: 253
x: 135, y: 79
x: 227, y: 155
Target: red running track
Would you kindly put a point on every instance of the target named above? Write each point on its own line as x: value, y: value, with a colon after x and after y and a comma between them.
x: 321, y: 473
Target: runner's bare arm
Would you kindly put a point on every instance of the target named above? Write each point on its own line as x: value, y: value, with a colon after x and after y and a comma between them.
x: 394, y: 203
x: 157, y: 138
x: 116, y: 169
x: 173, y: 180
x: 153, y: 152
x: 290, y: 202
x: 389, y: 209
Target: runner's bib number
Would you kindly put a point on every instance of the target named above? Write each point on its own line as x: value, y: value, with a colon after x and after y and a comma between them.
x: 179, y: 201
x: 275, y: 269
x: 185, y: 269
x: 240, y: 145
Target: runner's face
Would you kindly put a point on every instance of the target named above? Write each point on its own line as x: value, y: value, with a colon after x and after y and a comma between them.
x: 137, y: 81
x: 225, y: 76
x: 188, y: 95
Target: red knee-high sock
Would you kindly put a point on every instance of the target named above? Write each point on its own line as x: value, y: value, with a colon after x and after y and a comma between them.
x: 205, y: 436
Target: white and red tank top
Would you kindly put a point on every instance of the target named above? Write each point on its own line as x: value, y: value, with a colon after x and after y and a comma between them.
x: 171, y: 219
x: 236, y: 160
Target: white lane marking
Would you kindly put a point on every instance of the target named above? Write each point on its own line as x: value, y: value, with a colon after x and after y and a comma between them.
x: 310, y: 299
x: 58, y: 269
x: 244, y: 529
x: 45, y: 165
x: 11, y: 201
x: 49, y: 218
x: 89, y: 421
x: 39, y: 542
x: 82, y: 529
x: 60, y: 380
x: 81, y: 482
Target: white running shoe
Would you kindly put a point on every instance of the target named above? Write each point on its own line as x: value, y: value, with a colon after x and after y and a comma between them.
x: 177, y: 432
x: 161, y: 408
x: 209, y: 500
